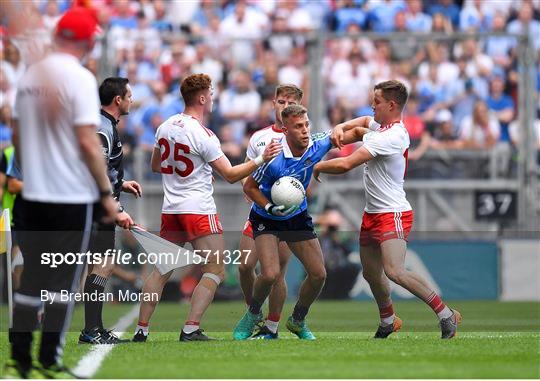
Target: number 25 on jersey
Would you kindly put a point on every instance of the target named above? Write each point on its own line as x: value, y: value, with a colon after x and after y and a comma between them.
x: 177, y: 149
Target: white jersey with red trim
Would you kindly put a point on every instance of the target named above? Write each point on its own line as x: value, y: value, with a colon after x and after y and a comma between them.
x: 260, y: 139
x: 384, y: 175
x: 186, y: 149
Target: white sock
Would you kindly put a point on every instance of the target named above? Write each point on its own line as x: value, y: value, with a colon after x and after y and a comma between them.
x: 388, y: 320
x: 272, y: 325
x: 143, y: 329
x: 190, y: 328
x: 445, y: 313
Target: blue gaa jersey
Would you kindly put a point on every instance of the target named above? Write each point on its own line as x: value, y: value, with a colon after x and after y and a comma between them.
x: 285, y: 164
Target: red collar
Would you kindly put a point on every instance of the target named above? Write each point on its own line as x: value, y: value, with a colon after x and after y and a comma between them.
x: 275, y: 129
x: 389, y: 125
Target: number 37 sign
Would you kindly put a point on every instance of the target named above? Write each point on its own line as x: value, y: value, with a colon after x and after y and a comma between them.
x: 495, y: 205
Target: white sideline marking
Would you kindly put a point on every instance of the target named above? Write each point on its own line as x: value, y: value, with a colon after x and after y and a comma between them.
x: 91, y: 362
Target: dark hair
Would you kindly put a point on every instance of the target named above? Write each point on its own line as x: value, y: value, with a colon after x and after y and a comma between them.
x: 289, y: 90
x: 112, y: 87
x: 293, y: 110
x: 393, y: 90
x: 192, y: 84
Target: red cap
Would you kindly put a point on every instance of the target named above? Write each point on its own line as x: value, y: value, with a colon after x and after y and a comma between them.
x: 77, y: 23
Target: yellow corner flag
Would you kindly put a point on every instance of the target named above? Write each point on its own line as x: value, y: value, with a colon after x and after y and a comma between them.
x: 5, y: 229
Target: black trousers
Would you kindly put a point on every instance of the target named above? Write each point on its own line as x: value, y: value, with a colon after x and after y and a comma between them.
x: 51, y: 236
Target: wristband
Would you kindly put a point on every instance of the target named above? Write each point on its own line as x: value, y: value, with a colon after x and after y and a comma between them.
x: 258, y: 160
x: 268, y: 206
x: 105, y: 193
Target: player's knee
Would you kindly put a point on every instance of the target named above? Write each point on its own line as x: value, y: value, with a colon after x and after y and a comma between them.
x: 395, y: 275
x: 269, y: 275
x: 318, y: 276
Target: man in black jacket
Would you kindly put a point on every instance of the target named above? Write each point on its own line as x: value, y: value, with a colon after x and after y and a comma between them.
x: 115, y: 97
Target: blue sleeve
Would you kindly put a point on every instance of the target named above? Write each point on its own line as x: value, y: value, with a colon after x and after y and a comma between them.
x: 509, y: 102
x: 13, y: 169
x: 265, y: 174
x: 322, y: 141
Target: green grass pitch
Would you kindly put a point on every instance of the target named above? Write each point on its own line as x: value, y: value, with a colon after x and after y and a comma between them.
x: 496, y: 340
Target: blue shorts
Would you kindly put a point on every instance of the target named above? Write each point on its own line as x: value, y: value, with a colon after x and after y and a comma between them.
x: 297, y: 228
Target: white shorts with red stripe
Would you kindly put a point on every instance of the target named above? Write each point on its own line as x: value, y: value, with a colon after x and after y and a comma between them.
x: 379, y: 227
x: 181, y: 228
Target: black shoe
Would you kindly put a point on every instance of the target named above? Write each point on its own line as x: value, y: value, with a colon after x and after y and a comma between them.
x: 449, y: 325
x: 139, y: 337
x: 385, y: 330
x: 197, y: 335
x: 99, y: 335
x: 111, y: 338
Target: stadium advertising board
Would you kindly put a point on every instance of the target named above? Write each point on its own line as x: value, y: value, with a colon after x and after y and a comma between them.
x: 456, y: 270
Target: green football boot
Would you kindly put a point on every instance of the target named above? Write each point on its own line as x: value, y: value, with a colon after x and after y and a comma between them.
x: 300, y: 329
x: 245, y: 327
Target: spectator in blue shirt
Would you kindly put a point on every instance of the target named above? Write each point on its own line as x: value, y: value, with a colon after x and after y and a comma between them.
x: 448, y: 8
x: 349, y: 13
x: 417, y: 20
x: 382, y: 15
x: 160, y: 23
x: 501, y: 104
x: 124, y: 16
x: 500, y: 48
x: 526, y: 22
x: 473, y: 18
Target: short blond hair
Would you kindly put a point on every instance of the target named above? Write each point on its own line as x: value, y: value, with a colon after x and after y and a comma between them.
x: 292, y: 111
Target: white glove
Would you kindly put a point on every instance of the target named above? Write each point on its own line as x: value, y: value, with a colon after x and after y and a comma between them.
x: 280, y: 210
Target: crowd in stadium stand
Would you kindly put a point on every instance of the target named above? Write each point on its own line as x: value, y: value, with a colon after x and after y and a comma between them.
x: 463, y: 93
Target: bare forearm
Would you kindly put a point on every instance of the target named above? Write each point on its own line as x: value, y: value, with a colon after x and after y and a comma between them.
x: 240, y: 171
x: 362, y: 121
x: 243, y: 181
x: 334, y: 166
x: 506, y: 116
x: 256, y: 196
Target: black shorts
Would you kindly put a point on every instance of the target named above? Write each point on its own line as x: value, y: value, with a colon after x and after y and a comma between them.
x: 53, y: 229
x: 295, y: 229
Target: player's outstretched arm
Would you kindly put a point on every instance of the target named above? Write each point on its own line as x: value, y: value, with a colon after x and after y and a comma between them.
x: 339, y: 130
x: 238, y: 172
x: 342, y: 164
x: 354, y: 135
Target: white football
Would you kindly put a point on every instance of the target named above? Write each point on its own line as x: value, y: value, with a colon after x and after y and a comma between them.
x: 288, y: 191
